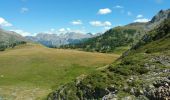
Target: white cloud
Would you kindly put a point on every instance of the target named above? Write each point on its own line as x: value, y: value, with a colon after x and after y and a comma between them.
x: 118, y: 7
x: 66, y: 30
x: 24, y: 10
x: 78, y: 31
x: 106, y: 28
x: 21, y: 32
x: 104, y: 11
x: 129, y: 13
x: 77, y: 22
x: 107, y: 23
x: 96, y: 23
x: 51, y: 31
x: 142, y: 20
x: 99, y: 23
x: 62, y: 30
x: 3, y: 22
x: 139, y: 16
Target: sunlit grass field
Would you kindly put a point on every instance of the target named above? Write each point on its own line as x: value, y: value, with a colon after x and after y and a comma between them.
x: 31, y: 71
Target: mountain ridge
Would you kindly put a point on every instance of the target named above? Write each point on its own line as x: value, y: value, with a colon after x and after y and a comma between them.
x: 120, y: 38
x: 55, y: 40
x: 10, y: 39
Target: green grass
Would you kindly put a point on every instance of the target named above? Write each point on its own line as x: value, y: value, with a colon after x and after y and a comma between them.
x: 31, y: 67
x: 120, y: 50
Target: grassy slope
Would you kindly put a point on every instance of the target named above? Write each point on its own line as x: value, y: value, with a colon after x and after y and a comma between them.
x: 133, y: 72
x: 31, y: 70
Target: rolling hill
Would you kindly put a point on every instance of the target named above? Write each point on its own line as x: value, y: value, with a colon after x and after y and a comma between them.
x: 31, y: 71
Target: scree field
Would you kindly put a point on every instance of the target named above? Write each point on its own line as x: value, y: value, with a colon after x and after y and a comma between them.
x: 32, y: 71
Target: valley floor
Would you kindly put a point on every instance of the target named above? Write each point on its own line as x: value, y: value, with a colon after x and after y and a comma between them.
x: 32, y: 71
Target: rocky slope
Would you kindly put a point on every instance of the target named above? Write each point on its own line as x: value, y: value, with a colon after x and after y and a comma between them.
x: 54, y: 40
x: 142, y: 74
x: 157, y: 19
x: 117, y: 39
x: 10, y: 39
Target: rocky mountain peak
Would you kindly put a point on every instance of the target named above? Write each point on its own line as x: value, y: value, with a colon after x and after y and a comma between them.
x: 162, y: 14
x: 56, y: 40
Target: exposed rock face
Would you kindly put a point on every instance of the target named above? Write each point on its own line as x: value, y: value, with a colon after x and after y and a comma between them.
x: 111, y: 95
x: 157, y: 19
x: 161, y: 90
x: 54, y: 40
x: 165, y: 60
x: 6, y: 36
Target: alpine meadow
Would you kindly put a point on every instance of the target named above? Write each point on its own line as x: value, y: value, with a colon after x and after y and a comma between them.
x: 84, y: 50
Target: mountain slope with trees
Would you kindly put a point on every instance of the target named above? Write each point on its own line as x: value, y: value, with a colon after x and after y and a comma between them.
x: 119, y: 39
x: 10, y: 39
x: 142, y: 74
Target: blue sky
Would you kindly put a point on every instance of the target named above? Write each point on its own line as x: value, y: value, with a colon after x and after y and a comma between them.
x: 29, y: 17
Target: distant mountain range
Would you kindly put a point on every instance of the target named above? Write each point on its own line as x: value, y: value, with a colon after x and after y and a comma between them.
x: 116, y: 37
x: 55, y: 40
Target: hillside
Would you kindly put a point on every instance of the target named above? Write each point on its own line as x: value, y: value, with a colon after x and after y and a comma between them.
x: 31, y: 71
x: 10, y: 39
x: 142, y: 74
x: 120, y: 39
